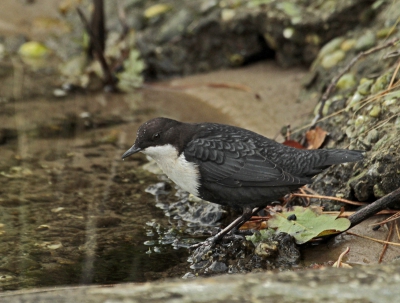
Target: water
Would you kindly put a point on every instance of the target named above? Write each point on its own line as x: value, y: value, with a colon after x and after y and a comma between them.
x: 71, y: 211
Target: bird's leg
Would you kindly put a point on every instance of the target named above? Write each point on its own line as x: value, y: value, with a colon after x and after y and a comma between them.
x: 234, y: 232
x: 246, y: 215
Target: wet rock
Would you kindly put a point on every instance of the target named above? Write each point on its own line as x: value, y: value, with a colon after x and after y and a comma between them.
x: 294, y: 30
x: 235, y: 255
x: 217, y: 267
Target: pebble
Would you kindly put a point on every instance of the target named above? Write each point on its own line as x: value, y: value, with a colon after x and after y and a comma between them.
x: 366, y: 41
x: 56, y: 210
x: 289, y: 8
x: 380, y: 83
x: 372, y: 136
x: 348, y: 44
x: 330, y: 47
x: 188, y: 275
x: 386, y: 32
x: 218, y: 267
x: 33, y: 49
x: 375, y: 111
x: 207, y: 6
x: 346, y: 81
x: 58, y: 92
x: 156, y: 10
x: 354, y: 102
x: 397, y: 122
x: 288, y: 32
x: 365, y: 86
x: 360, y: 120
x: 43, y: 227
x: 227, y: 14
x: 332, y: 59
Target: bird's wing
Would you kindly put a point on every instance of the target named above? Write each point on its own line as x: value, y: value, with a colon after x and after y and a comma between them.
x: 242, y: 165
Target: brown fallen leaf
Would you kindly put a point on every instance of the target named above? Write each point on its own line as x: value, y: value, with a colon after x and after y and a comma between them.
x: 315, y: 137
x: 293, y: 143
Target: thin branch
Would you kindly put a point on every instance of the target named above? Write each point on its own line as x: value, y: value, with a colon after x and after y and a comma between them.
x: 347, y: 214
x: 339, y: 260
x: 374, y: 207
x: 109, y: 79
x: 372, y: 239
x: 385, y: 246
x: 387, y: 220
x: 394, y: 74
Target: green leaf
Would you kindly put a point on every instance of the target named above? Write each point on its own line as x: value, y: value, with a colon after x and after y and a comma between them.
x: 309, y: 223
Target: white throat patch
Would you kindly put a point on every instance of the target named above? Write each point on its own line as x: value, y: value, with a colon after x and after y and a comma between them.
x: 183, y: 173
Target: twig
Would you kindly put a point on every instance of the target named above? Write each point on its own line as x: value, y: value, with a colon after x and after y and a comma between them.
x: 347, y: 214
x: 109, y: 79
x: 385, y: 246
x: 387, y: 220
x: 374, y: 207
x: 372, y: 239
x: 18, y: 79
x: 339, y: 260
x: 97, y: 26
x: 394, y: 74
x: 329, y: 198
x: 335, y: 79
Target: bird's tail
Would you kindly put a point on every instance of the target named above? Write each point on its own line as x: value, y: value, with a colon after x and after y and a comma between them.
x: 321, y: 159
x: 337, y: 156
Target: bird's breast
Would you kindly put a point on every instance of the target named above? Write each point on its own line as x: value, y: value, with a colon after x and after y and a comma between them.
x: 184, y: 173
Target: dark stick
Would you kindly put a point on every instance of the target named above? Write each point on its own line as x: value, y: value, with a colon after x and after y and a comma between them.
x: 109, y: 79
x: 373, y: 208
x: 98, y: 27
x: 334, y: 81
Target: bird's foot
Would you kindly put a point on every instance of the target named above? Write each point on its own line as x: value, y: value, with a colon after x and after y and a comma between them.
x: 202, y: 248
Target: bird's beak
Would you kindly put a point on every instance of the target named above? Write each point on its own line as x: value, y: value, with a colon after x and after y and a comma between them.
x: 131, y: 151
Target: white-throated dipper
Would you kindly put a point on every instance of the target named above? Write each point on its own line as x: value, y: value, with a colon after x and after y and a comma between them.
x: 231, y: 166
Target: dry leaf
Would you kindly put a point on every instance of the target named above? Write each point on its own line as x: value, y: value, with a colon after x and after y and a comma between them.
x: 315, y: 137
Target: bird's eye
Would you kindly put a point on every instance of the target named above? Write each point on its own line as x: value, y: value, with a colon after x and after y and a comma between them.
x: 156, y: 136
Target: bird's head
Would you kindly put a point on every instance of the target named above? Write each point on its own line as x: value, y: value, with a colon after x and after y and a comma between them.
x: 155, y: 132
